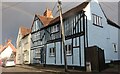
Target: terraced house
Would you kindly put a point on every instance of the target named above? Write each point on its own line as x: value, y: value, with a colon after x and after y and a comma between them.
x: 23, y: 45
x: 85, y: 25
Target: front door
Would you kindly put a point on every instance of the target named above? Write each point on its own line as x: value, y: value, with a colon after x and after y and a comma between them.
x: 42, y: 55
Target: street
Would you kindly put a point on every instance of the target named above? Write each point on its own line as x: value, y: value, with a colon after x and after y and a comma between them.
x: 20, y: 70
x: 16, y: 69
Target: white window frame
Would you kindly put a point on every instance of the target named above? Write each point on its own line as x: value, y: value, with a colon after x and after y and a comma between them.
x: 97, y: 20
x: 52, y: 51
x: 68, y: 49
x: 114, y: 47
x: 54, y: 28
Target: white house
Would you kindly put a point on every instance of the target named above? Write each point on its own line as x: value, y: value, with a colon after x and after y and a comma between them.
x: 8, y: 51
x: 26, y: 42
x: 23, y: 46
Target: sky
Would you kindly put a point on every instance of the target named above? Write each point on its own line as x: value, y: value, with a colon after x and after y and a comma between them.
x: 16, y: 14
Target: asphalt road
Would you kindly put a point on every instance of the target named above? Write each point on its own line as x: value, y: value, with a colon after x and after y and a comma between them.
x: 19, y: 70
x: 16, y: 70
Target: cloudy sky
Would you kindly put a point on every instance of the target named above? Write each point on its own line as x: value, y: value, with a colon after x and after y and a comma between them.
x: 16, y: 14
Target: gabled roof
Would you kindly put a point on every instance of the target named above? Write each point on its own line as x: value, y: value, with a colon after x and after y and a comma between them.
x: 48, y: 22
x: 24, y: 31
x: 112, y: 23
x: 8, y: 43
x: 69, y: 13
x: 45, y: 20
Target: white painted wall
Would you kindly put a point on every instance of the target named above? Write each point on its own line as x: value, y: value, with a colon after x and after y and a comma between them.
x: 19, y: 54
x: 26, y: 42
x: 6, y: 53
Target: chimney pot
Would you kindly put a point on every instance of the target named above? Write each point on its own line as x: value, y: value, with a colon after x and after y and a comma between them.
x: 48, y: 13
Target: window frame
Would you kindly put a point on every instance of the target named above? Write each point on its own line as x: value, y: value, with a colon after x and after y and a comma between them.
x: 52, y: 52
x: 97, y: 20
x: 114, y: 47
x: 68, y: 48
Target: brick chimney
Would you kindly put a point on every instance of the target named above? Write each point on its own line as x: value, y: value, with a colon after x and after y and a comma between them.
x: 48, y: 13
x: 8, y: 41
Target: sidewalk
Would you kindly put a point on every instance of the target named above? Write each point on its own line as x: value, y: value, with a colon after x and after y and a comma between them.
x: 61, y: 70
x: 46, y: 69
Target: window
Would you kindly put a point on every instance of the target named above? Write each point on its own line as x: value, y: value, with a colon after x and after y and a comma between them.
x: 67, y: 27
x: 53, y: 36
x: 37, y: 53
x: 20, y: 44
x: 76, y: 42
x: 68, y: 49
x: 52, y: 51
x: 97, y: 20
x: 54, y: 28
x: 115, y: 47
x: 26, y: 41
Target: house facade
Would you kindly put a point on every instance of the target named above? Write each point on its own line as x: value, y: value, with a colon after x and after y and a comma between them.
x: 26, y: 48
x: 23, y: 46
x: 8, y: 51
x: 85, y: 25
x: 38, y: 38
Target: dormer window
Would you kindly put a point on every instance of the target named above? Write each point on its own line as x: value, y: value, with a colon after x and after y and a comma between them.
x: 97, y: 20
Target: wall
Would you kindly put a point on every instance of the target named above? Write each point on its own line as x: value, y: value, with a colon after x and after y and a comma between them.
x: 5, y: 53
x: 26, y: 47
x: 19, y: 59
x: 102, y: 37
x: 58, y: 59
x: 119, y: 44
x: 35, y: 39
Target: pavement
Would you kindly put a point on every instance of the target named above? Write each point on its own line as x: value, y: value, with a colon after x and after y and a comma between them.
x: 46, y: 69
x: 70, y: 71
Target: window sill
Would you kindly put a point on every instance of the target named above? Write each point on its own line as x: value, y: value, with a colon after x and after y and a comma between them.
x: 52, y: 56
x: 54, y: 32
x: 98, y: 25
x: 69, y: 54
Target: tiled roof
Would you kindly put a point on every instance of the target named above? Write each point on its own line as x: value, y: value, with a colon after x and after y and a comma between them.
x: 67, y: 14
x: 45, y: 20
x: 48, y: 22
x: 24, y: 31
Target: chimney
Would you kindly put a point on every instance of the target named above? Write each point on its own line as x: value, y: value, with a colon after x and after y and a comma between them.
x: 8, y: 41
x: 48, y: 13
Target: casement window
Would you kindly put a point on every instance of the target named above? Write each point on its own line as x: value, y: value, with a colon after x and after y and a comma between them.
x: 115, y: 47
x: 67, y: 27
x: 52, y: 51
x: 97, y: 20
x: 26, y: 41
x: 20, y: 44
x: 54, y: 28
x: 68, y: 49
x: 76, y: 42
x: 37, y: 53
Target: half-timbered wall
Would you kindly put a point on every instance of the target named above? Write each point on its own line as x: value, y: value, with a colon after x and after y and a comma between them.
x: 37, y: 41
x: 74, y: 28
